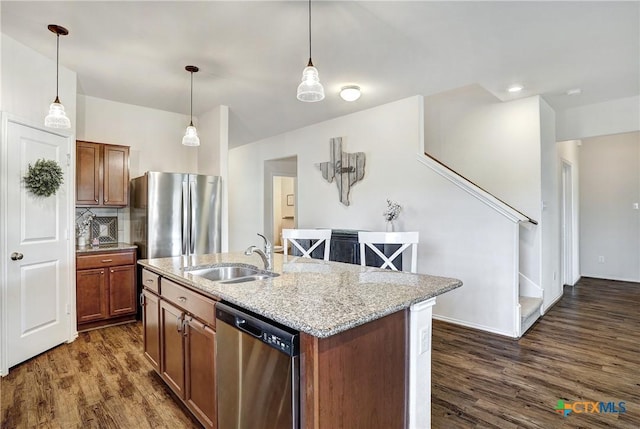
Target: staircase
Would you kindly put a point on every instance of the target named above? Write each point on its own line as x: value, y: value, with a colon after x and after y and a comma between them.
x: 530, y: 311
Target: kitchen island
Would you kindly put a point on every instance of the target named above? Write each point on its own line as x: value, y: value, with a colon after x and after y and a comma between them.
x: 365, y: 333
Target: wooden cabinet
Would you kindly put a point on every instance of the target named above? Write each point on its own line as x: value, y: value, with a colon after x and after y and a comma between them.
x: 172, y: 340
x: 200, y: 374
x: 102, y: 175
x: 105, y: 288
x: 91, y: 294
x: 151, y: 322
x: 180, y: 342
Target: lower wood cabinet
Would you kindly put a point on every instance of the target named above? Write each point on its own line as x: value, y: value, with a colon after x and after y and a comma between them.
x: 105, y: 288
x: 180, y: 342
x: 200, y: 373
x: 150, y: 303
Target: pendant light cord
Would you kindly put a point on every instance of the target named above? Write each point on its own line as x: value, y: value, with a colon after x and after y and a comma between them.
x: 191, y: 112
x: 310, y: 63
x: 57, y: 64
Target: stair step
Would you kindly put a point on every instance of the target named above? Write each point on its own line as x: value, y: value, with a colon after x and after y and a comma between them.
x: 529, y: 305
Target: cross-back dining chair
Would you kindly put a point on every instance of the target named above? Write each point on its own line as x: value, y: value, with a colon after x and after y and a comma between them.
x: 406, y: 240
x: 295, y: 235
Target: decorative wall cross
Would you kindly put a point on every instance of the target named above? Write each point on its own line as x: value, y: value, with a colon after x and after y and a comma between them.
x: 346, y: 168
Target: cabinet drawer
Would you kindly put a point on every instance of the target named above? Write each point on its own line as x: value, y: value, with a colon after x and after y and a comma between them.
x: 194, y: 303
x: 151, y: 280
x: 105, y: 260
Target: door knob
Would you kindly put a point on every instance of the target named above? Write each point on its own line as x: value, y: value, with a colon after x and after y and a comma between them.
x: 15, y: 256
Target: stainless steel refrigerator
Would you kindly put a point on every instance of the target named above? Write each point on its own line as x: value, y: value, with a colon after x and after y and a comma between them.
x: 174, y: 214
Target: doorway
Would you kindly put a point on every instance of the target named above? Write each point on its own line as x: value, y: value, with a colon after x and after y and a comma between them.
x: 567, y: 224
x: 284, y: 203
x: 36, y: 258
x: 280, y: 197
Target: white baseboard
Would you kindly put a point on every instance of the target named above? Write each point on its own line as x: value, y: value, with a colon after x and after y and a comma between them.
x: 544, y: 308
x: 611, y: 278
x: 474, y: 326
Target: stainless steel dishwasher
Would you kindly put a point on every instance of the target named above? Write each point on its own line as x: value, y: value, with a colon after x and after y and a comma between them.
x: 258, y: 374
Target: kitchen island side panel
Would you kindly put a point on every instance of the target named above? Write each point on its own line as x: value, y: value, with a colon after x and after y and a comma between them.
x: 357, y: 378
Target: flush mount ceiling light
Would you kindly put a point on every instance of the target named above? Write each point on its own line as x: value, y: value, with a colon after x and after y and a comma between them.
x: 191, y: 135
x: 56, y: 117
x: 514, y: 89
x: 310, y: 89
x: 350, y: 92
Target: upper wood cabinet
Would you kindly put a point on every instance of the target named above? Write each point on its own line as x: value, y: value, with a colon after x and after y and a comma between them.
x: 102, y: 175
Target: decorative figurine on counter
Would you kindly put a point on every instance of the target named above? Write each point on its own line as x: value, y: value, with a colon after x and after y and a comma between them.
x: 95, y: 242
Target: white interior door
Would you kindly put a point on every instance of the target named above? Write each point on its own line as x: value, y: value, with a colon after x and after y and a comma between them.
x: 37, y: 255
x: 567, y: 225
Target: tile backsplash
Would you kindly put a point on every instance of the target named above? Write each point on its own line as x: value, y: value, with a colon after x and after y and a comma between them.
x: 121, y: 214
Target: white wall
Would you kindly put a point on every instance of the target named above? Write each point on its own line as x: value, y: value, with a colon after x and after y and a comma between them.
x: 154, y: 136
x: 213, y: 156
x: 568, y: 153
x: 460, y: 236
x: 609, y: 224
x: 610, y: 117
x: 497, y: 146
x: 29, y: 84
x: 550, y: 217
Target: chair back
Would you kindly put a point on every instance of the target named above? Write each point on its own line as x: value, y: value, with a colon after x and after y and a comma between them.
x: 294, y: 235
x: 406, y: 240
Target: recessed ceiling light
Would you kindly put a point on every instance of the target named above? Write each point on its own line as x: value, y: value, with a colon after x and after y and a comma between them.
x: 515, y: 88
x: 574, y: 91
x: 350, y: 92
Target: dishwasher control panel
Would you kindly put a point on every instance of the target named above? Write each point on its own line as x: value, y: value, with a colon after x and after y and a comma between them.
x: 277, y: 342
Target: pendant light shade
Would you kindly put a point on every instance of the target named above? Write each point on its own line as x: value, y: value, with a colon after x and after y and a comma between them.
x: 191, y: 134
x: 310, y: 89
x: 57, y: 118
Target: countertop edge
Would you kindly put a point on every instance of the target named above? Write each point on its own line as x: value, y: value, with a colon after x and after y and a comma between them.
x: 315, y: 332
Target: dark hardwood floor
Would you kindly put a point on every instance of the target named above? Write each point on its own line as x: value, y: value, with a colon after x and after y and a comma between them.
x: 586, y: 348
x: 101, y: 380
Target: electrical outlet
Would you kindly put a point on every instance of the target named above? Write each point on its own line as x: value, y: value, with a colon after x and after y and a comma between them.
x: 601, y: 259
x: 425, y: 340
x: 555, y: 275
x: 636, y: 206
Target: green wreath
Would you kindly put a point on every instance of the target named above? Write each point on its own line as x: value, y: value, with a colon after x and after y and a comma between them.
x: 44, y: 178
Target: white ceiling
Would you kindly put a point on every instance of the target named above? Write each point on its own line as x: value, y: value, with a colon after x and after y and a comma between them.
x: 251, y: 54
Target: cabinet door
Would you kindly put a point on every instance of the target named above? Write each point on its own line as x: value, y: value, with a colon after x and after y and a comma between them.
x: 91, y: 295
x: 172, y: 356
x: 88, y: 174
x: 116, y: 175
x: 151, y: 327
x: 200, y: 389
x: 122, y: 290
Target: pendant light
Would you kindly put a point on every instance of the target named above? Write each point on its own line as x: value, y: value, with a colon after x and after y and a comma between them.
x: 310, y: 89
x: 191, y: 135
x: 56, y: 117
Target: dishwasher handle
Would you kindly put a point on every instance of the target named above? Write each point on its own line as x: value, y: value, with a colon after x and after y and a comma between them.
x: 246, y: 326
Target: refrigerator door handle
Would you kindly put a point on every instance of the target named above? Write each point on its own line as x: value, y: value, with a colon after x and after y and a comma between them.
x: 184, y: 218
x: 192, y: 218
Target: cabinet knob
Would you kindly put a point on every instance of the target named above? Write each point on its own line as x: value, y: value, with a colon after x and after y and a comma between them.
x: 182, y: 299
x: 112, y: 271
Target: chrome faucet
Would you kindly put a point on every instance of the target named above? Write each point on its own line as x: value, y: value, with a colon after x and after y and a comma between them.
x: 266, y: 255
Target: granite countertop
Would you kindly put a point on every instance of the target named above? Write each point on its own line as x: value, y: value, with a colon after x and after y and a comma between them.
x: 111, y: 247
x: 318, y: 297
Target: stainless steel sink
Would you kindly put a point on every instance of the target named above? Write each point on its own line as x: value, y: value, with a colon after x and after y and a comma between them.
x: 232, y: 273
